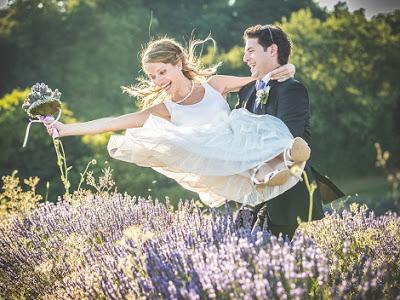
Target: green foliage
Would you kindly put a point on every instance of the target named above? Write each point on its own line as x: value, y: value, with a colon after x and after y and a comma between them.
x: 13, y: 101
x: 225, y: 20
x: 350, y: 236
x: 15, y: 120
x: 348, y: 64
x: 83, y: 51
x: 14, y: 200
x: 392, y: 176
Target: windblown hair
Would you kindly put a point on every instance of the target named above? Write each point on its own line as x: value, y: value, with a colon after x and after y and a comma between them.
x: 167, y: 50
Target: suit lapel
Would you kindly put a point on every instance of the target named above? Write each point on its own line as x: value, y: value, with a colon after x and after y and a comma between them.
x: 249, y: 104
x: 271, y: 102
x: 250, y: 96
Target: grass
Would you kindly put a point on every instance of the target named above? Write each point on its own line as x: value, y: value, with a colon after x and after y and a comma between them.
x: 374, y: 191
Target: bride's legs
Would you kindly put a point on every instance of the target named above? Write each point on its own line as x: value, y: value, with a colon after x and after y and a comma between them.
x: 263, y: 171
x: 272, y: 173
x: 269, y: 167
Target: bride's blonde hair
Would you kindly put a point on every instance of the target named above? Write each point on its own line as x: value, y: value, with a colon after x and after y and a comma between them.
x: 167, y: 50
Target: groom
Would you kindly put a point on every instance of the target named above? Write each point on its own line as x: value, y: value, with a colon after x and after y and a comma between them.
x: 268, y: 47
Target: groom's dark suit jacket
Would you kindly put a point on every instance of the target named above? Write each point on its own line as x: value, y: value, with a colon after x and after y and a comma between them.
x: 289, y: 102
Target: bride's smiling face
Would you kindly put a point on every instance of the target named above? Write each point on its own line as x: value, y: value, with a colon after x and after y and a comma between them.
x: 165, y: 76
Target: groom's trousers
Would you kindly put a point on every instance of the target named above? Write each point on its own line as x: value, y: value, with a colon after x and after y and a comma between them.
x: 261, y: 218
x: 283, y: 213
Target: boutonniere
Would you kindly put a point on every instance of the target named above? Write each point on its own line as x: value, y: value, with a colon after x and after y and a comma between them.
x: 262, y: 95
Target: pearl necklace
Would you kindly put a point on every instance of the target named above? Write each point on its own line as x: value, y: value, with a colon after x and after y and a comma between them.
x: 187, y: 96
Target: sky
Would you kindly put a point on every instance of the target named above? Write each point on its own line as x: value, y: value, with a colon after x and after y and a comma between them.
x: 372, y: 7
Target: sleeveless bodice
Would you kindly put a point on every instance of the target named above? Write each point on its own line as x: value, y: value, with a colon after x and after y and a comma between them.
x: 210, y: 108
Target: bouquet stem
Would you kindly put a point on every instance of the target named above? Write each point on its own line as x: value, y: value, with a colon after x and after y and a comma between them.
x: 62, y: 164
x: 311, y: 189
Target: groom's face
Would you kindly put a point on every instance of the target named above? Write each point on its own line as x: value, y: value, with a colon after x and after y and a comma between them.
x: 256, y: 58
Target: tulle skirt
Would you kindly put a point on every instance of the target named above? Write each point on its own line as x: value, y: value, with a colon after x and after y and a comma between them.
x: 215, y: 159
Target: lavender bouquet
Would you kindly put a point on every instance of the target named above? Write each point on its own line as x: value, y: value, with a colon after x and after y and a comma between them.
x: 42, y: 101
x: 41, y: 105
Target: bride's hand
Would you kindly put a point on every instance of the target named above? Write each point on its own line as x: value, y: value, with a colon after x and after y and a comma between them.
x: 60, y: 127
x: 283, y: 73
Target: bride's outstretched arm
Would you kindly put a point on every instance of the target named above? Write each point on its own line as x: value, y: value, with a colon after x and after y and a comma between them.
x: 226, y: 84
x: 131, y: 120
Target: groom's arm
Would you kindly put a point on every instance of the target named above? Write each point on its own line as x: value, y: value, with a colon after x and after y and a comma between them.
x: 293, y: 107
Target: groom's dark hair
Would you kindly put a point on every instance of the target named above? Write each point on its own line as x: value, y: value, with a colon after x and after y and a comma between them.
x: 268, y: 35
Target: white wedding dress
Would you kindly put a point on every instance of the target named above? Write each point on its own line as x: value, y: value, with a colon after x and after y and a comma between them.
x: 208, y: 149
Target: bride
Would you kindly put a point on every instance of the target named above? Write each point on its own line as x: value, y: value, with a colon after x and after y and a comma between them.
x: 187, y: 131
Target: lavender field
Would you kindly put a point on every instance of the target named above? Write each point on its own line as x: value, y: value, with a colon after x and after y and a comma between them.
x: 113, y: 246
